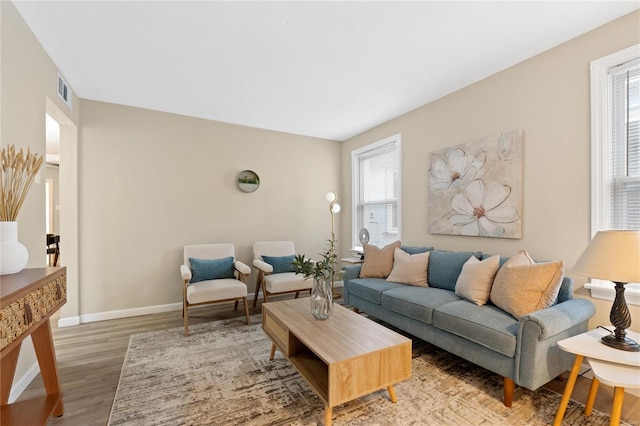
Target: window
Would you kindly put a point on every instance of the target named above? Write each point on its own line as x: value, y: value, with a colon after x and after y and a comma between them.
x: 615, y: 152
x: 376, y: 192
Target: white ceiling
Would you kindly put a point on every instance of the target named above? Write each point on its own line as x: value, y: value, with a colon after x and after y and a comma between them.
x: 324, y: 69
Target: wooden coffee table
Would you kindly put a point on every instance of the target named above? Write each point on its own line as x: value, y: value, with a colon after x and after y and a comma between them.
x: 343, y: 357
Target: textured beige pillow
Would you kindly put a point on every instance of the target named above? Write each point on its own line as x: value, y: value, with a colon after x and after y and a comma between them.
x: 522, y: 286
x: 475, y: 280
x: 409, y: 268
x: 378, y: 261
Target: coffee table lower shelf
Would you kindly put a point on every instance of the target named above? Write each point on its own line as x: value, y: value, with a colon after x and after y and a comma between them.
x: 342, y: 358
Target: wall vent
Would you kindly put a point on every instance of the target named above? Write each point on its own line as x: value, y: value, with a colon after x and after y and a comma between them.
x: 64, y: 91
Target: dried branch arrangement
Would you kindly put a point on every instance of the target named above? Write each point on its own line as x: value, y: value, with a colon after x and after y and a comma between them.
x: 16, y: 176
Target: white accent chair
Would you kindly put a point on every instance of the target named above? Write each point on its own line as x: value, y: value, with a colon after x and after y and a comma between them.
x: 212, y: 290
x: 276, y: 283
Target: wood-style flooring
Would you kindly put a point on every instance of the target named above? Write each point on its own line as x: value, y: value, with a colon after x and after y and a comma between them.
x: 90, y: 358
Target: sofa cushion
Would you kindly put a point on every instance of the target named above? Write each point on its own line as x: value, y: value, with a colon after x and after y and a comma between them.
x: 415, y: 249
x: 416, y: 302
x: 371, y: 289
x: 445, y: 267
x: 377, y: 261
x: 286, y: 281
x: 486, y: 325
x: 475, y: 280
x: 522, y: 289
x: 409, y: 268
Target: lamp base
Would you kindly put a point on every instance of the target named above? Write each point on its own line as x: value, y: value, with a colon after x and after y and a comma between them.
x: 624, y: 344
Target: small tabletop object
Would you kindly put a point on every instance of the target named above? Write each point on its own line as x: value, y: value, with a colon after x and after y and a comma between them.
x: 611, y: 366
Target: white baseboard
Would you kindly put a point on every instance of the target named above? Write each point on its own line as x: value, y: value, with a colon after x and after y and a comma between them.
x: 68, y: 322
x: 23, y: 382
x: 126, y: 313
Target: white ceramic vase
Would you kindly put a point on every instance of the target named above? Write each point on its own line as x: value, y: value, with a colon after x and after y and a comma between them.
x: 13, y: 254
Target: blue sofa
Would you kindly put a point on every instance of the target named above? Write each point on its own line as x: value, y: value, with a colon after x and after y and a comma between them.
x: 523, y: 351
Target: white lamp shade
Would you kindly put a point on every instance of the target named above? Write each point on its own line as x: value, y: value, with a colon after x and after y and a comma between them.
x: 612, y: 256
x: 335, y: 208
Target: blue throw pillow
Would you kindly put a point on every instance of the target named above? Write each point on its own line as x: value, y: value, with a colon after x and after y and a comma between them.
x: 280, y: 263
x: 415, y: 250
x: 211, y: 269
x: 445, y: 267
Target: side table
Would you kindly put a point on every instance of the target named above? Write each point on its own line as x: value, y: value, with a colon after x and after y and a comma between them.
x: 611, y: 366
x: 27, y: 301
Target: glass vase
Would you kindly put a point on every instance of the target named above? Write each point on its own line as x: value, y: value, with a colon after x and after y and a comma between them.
x: 321, y: 299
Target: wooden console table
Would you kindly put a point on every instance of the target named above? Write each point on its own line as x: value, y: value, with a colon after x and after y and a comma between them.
x: 27, y: 300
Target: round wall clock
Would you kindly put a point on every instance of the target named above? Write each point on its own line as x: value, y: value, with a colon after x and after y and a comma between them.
x: 248, y: 181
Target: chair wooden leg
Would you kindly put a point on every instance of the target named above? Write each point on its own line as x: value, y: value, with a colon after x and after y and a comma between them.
x: 255, y: 296
x: 297, y: 294
x: 509, y: 387
x: 265, y: 294
x: 185, y: 315
x: 246, y: 309
x: 235, y: 308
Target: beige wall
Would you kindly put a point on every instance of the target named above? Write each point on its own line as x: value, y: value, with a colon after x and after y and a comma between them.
x: 27, y: 78
x: 548, y: 97
x: 151, y: 182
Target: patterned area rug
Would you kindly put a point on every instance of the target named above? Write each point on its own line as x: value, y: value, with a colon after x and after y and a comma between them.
x: 221, y: 375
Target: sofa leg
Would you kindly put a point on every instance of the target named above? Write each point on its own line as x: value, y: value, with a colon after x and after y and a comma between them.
x: 509, y: 387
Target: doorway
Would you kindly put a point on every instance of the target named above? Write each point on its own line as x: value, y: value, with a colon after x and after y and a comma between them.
x: 67, y: 195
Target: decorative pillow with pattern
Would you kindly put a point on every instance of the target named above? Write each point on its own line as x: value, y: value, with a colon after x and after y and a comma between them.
x: 409, y: 268
x: 378, y: 262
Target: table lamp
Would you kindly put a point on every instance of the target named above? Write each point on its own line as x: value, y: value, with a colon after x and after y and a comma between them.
x: 614, y: 256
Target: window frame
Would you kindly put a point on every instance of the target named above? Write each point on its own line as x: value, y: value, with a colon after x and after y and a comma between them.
x: 600, y: 206
x: 356, y: 154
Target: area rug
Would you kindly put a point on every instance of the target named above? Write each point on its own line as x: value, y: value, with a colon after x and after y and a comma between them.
x: 221, y: 375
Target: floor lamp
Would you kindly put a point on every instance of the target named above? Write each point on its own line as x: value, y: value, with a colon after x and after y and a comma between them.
x: 334, y: 207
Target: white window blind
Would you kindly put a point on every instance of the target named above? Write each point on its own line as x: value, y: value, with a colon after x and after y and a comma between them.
x: 624, y: 145
x: 376, y: 189
x: 615, y: 153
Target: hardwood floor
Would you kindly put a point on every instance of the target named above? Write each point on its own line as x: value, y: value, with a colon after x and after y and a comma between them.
x: 90, y: 358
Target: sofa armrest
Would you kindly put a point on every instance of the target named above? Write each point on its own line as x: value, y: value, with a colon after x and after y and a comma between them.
x: 558, y: 318
x: 350, y: 272
x: 539, y: 359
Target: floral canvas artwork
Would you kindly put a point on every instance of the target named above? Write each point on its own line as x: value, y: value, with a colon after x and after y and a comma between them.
x: 475, y: 189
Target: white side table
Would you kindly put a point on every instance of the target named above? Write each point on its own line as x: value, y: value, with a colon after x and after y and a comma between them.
x: 611, y: 366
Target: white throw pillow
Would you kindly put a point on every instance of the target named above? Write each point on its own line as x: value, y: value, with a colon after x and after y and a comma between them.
x: 409, y: 268
x: 475, y: 281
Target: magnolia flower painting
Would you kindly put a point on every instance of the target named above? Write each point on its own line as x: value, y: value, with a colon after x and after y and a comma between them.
x: 476, y: 189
